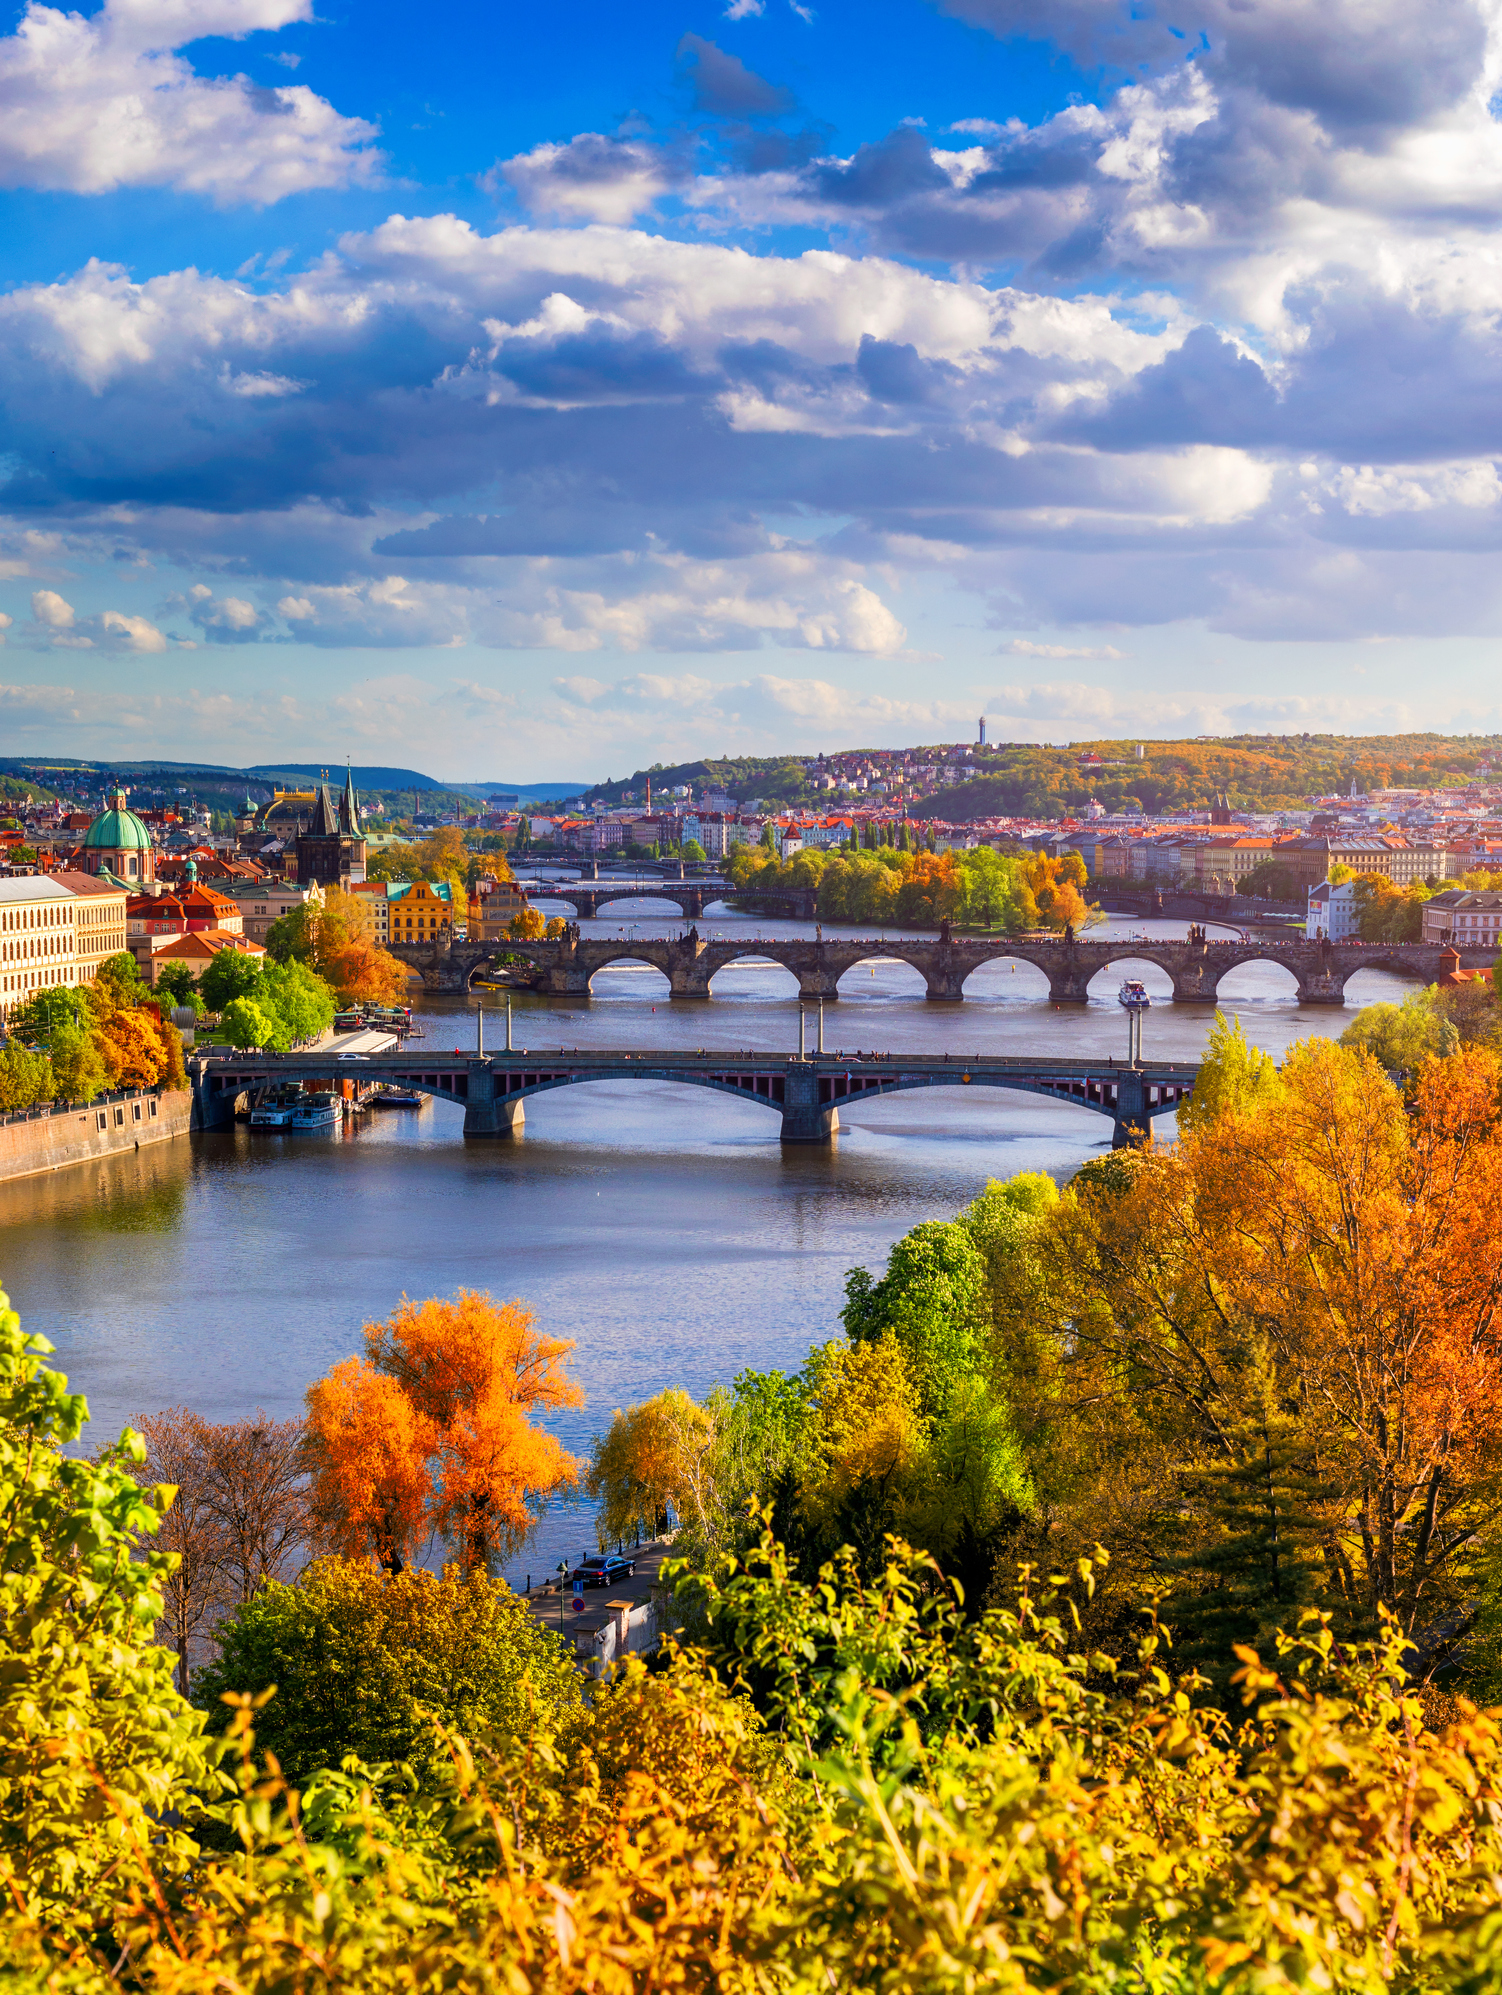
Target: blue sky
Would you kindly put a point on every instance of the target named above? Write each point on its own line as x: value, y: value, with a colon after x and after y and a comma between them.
x: 537, y: 392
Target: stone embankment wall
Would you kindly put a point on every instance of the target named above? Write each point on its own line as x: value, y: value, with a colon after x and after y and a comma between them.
x: 41, y: 1140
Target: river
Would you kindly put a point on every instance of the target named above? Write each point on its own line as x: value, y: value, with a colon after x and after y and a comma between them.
x: 660, y: 1228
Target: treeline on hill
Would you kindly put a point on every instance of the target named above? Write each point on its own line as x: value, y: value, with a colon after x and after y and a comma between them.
x: 71, y: 1045
x: 778, y: 778
x: 1240, y: 1395
x: 1261, y: 772
x: 894, y: 884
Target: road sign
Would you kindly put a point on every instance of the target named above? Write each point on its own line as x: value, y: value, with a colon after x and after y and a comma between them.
x: 578, y: 1603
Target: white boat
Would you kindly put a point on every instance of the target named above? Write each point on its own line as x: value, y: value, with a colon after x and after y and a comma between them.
x: 1133, y: 996
x: 275, y: 1111
x: 319, y: 1111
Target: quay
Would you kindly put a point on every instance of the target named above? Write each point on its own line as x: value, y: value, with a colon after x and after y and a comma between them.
x: 805, y: 1090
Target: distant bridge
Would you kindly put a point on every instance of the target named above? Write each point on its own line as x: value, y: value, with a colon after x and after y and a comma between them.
x: 1320, y: 970
x: 807, y: 1093
x: 690, y: 897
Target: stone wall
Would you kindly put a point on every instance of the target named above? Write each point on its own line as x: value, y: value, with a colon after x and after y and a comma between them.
x: 42, y: 1140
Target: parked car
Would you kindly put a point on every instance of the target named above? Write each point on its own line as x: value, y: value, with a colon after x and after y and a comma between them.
x: 606, y: 1570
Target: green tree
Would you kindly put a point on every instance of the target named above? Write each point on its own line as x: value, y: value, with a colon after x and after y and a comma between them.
x: 291, y: 938
x: 692, y: 849
x: 46, y: 1012
x: 231, y: 975
x: 121, y: 975
x: 247, y: 1023
x: 299, y: 998
x: 99, y: 1756
x: 78, y: 1067
x: 177, y: 984
x: 932, y: 1300
x: 364, y: 1663
x: 25, y: 1077
x: 1233, y: 1076
x: 1400, y: 1037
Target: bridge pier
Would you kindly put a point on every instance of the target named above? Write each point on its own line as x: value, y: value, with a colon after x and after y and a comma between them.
x: 487, y: 1113
x: 1069, y: 989
x: 213, y: 1108
x: 818, y: 986
x: 804, y: 1118
x: 1321, y: 989
x: 1193, y: 992
x: 1132, y: 1125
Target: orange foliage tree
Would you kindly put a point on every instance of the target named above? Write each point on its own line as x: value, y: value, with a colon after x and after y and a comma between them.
x: 345, y: 951
x: 431, y: 1428
x: 1319, y: 1269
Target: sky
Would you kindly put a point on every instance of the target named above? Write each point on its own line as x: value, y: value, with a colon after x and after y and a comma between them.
x: 528, y: 393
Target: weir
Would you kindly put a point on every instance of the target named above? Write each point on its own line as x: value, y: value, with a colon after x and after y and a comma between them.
x: 806, y: 1092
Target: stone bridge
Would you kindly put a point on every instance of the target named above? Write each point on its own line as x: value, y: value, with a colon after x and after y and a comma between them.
x: 1320, y: 970
x: 806, y: 1092
x: 690, y: 897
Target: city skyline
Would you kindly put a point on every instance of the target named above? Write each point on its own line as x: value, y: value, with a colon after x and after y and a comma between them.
x: 573, y: 392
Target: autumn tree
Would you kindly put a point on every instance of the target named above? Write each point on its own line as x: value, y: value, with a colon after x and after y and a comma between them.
x: 431, y: 1428
x: 255, y: 1479
x: 527, y: 925
x: 194, y: 1592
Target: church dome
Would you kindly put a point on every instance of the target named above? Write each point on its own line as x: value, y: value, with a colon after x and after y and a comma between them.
x: 117, y: 830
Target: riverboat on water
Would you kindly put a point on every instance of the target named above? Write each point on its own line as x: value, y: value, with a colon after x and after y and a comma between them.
x: 275, y: 1110
x: 395, y: 1098
x: 319, y: 1111
x: 1133, y: 996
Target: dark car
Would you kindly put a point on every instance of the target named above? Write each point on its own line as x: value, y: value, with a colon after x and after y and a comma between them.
x: 604, y: 1571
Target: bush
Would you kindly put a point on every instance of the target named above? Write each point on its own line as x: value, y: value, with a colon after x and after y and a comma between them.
x: 362, y: 1664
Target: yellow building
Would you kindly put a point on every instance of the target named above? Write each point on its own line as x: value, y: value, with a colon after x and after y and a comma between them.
x: 99, y: 928
x: 376, y: 895
x: 36, y: 937
x: 492, y: 909
x: 420, y: 910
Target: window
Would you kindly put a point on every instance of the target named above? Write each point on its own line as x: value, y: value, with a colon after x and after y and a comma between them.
x: 153, y: 1110
x: 104, y: 1121
x: 119, y: 1118
x: 136, y: 1110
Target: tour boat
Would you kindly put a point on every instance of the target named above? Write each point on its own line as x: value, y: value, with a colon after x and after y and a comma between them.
x: 1133, y: 996
x: 396, y: 1098
x: 319, y: 1111
x: 276, y: 1110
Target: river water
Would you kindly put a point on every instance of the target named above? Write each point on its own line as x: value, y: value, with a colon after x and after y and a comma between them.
x: 661, y: 1228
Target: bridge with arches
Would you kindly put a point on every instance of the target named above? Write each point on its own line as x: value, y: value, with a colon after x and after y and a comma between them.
x: 806, y: 1092
x: 692, y: 898
x: 690, y: 962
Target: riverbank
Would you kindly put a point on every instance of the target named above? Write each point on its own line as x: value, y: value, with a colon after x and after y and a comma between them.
x: 53, y: 1138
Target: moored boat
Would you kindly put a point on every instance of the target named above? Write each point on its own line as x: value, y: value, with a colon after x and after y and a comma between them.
x: 1133, y: 996
x: 319, y: 1111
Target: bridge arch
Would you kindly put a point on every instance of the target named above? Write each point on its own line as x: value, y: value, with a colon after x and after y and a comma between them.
x: 859, y: 977
x: 655, y: 985
x: 1130, y: 960
x: 753, y: 976
x: 1233, y: 983
x: 1007, y: 977
x: 668, y: 899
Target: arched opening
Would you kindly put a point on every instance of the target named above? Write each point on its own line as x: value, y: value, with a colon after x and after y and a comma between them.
x: 1105, y: 986
x: 628, y: 980
x: 1007, y: 980
x: 548, y: 905
x: 1253, y: 985
x: 1376, y: 986
x: 663, y: 1118
x: 753, y: 979
x: 637, y: 907
x: 882, y: 980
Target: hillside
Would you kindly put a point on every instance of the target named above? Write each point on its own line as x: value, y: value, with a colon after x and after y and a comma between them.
x: 1263, y: 772
x: 779, y: 778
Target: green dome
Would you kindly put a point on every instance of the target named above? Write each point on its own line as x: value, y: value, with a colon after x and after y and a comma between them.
x: 117, y: 831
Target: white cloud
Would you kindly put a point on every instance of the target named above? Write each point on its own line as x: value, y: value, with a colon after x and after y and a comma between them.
x: 49, y: 608
x: 128, y: 633
x: 5, y: 624
x: 591, y: 178
x: 89, y: 103
x: 1023, y: 647
x: 740, y: 10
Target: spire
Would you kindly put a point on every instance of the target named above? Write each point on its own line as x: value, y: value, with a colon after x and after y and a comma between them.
x: 349, y: 808
x: 325, y: 824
